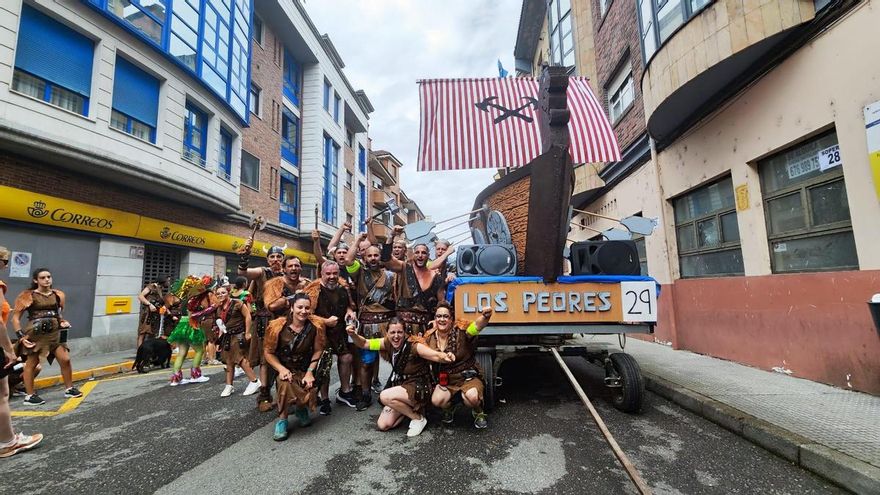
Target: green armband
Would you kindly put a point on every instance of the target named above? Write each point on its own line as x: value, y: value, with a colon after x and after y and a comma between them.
x: 375, y: 344
x: 472, y: 329
x: 354, y: 267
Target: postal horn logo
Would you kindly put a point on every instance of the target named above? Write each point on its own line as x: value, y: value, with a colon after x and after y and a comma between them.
x: 235, y: 245
x: 165, y: 233
x: 38, y: 210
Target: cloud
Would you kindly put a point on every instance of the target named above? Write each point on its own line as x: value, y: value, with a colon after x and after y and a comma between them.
x: 388, y: 45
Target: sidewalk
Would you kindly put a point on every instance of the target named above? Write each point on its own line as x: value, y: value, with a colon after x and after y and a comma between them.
x: 832, y: 432
x: 87, y: 367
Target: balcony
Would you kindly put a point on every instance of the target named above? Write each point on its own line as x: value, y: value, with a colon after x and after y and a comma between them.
x: 717, y: 52
x: 379, y: 197
x: 382, y: 232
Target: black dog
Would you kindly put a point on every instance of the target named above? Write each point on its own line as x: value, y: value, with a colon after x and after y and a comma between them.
x: 153, y: 352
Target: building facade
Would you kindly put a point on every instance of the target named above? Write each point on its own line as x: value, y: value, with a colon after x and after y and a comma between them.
x: 384, y: 188
x: 138, y: 138
x: 758, y: 173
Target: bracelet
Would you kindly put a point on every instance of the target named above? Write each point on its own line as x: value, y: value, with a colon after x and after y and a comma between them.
x: 311, y: 370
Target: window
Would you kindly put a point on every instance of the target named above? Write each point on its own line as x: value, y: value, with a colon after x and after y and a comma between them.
x: 53, y: 63
x: 337, y: 102
x: 135, y: 101
x: 707, y: 231
x: 659, y: 20
x: 327, y: 88
x: 561, y: 35
x: 362, y: 206
x: 331, y: 177
x: 255, y: 99
x: 289, y: 136
x: 806, y: 207
x: 349, y: 138
x: 362, y: 159
x: 224, y: 160
x: 195, y: 125
x: 258, y: 30
x: 273, y: 183
x: 210, y: 38
x: 349, y: 180
x: 621, y: 92
x: 643, y: 254
x: 349, y: 218
x: 250, y: 170
x: 287, y: 200
x: 292, y: 75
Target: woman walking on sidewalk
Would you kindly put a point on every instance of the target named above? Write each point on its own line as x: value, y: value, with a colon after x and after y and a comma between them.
x: 233, y: 329
x: 41, y: 338
x: 11, y: 443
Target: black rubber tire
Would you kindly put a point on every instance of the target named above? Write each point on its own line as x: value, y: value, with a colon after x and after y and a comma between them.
x: 484, y: 359
x: 630, y: 396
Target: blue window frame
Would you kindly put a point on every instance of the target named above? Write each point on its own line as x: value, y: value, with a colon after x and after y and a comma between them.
x: 289, y: 137
x: 210, y: 38
x: 362, y: 159
x: 224, y: 162
x: 287, y: 201
x: 331, y: 180
x: 292, y: 74
x: 195, y: 128
x: 135, y: 101
x: 327, y: 89
x: 362, y: 206
x: 53, y: 62
x: 337, y: 103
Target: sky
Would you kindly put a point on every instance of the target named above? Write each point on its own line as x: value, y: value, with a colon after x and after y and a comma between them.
x: 387, y: 45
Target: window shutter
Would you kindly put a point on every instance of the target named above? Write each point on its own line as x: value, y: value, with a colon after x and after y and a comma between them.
x: 52, y: 51
x: 135, y: 93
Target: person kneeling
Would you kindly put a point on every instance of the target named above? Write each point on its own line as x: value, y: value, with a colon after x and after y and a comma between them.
x: 409, y: 387
x: 465, y: 376
x: 293, y: 346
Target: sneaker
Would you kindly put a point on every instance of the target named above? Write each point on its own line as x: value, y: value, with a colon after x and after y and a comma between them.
x: 280, y: 430
x: 17, y: 392
x: 72, y: 392
x: 325, y: 409
x: 33, y: 400
x: 347, y: 398
x: 176, y: 379
x: 416, y: 426
x: 377, y: 387
x: 302, y: 415
x: 481, y: 420
x: 195, y: 376
x: 449, y: 414
x: 227, y: 391
x: 20, y: 443
x: 252, y: 387
x: 238, y: 372
x: 364, y: 403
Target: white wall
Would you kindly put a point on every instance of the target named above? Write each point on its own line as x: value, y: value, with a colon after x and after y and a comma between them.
x: 197, y: 263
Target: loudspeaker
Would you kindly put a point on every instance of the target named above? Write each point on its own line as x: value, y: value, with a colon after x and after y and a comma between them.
x: 604, y: 258
x: 486, y: 260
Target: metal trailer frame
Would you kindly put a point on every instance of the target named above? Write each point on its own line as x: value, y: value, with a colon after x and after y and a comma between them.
x: 622, y: 374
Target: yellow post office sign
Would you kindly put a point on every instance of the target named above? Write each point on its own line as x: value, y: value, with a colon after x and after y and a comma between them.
x: 578, y: 303
x: 118, y: 305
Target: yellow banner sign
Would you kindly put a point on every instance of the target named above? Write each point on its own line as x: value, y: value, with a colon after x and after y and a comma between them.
x: 536, y: 302
x: 28, y: 206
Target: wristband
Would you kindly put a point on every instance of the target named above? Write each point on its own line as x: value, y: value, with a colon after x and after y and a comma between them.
x: 311, y: 370
x: 472, y: 330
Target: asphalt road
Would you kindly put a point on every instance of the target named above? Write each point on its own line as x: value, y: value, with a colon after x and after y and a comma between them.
x: 134, y: 434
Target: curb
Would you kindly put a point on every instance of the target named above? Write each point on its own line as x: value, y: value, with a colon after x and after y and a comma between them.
x: 93, y: 373
x: 837, y: 467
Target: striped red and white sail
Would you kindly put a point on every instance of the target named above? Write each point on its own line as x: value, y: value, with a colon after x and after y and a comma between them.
x: 457, y: 134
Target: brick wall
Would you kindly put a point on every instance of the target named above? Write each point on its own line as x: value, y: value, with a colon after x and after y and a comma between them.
x: 263, y: 139
x: 617, y: 40
x: 30, y: 175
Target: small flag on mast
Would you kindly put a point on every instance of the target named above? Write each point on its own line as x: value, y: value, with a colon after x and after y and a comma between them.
x: 501, y: 71
x: 493, y: 123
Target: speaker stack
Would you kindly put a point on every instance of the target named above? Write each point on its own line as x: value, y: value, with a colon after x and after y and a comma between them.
x: 486, y: 260
x: 604, y: 258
